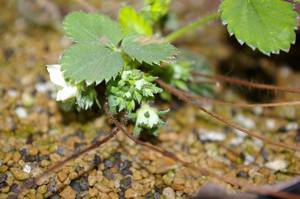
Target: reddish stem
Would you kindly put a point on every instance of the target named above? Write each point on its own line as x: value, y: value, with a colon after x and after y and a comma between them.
x: 247, y: 83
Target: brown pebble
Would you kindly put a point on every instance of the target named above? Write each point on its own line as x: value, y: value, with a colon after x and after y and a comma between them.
x: 5, y: 189
x: 130, y: 193
x: 113, y: 195
x: 68, y: 193
x: 19, y: 174
x: 93, y: 192
x: 137, y: 175
x: 33, y: 151
x: 16, y: 156
x: 73, y: 175
x: 45, y: 163
x: 3, y: 168
x: 42, y: 189
x: 54, y: 157
x: 102, y: 188
x: 92, y: 180
x: 62, y: 175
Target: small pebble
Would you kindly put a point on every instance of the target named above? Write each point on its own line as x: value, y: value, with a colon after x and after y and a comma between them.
x: 270, y: 124
x: 3, y: 177
x: 12, y: 93
x: 96, y: 160
x: 68, y: 193
x: 27, y: 168
x: 108, y: 174
x: 21, y: 112
x: 169, y: 193
x: 60, y: 151
x: 19, y: 174
x: 125, y: 183
x: 14, y: 188
x: 248, y: 159
x: 277, y: 165
x: 211, y: 136
x: 108, y: 164
x: 245, y: 121
x: 292, y: 126
x: 51, y: 187
x: 242, y: 174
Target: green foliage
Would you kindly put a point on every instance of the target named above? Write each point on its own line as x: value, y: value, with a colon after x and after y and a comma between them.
x: 133, y: 22
x: 128, y: 57
x: 132, y: 88
x: 92, y: 28
x: 197, y: 63
x: 147, y: 49
x: 96, y: 56
x: 268, y: 25
x: 91, y: 63
x: 154, y: 10
x: 86, y: 98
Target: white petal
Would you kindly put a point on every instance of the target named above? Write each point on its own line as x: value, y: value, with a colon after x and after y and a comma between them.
x: 56, y: 75
x: 66, y: 93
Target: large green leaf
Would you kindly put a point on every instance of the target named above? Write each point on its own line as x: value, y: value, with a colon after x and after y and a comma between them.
x: 147, y: 49
x: 268, y: 25
x: 91, y: 63
x: 132, y: 22
x: 92, y: 28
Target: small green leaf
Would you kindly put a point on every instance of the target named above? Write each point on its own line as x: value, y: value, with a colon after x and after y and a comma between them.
x: 86, y: 98
x: 147, y: 49
x: 268, y: 25
x: 156, y: 9
x: 132, y: 22
x: 91, y: 63
x: 92, y: 28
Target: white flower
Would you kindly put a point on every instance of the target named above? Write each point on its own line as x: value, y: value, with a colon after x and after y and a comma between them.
x: 147, y: 116
x: 66, y: 90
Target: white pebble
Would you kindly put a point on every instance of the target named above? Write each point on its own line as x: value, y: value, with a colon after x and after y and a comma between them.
x: 44, y: 87
x: 12, y: 93
x: 211, y: 136
x: 244, y: 121
x: 270, y: 124
x: 258, y: 110
x: 21, y: 112
x: 27, y: 168
x: 292, y: 126
x: 237, y: 141
x: 277, y: 165
x: 248, y: 159
x: 168, y: 193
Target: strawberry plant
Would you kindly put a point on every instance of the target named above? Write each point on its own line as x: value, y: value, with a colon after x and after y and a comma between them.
x: 128, y: 55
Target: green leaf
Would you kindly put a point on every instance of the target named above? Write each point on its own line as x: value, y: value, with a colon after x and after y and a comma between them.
x: 91, y: 63
x: 268, y: 25
x: 156, y: 9
x: 147, y: 49
x: 132, y: 22
x: 92, y: 28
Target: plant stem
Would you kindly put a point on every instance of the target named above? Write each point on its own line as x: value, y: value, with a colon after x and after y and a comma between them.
x: 192, y: 26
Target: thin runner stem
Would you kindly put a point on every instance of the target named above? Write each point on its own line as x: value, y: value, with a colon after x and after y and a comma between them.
x: 247, y: 83
x: 241, y: 105
x: 185, y: 98
x: 192, y: 26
